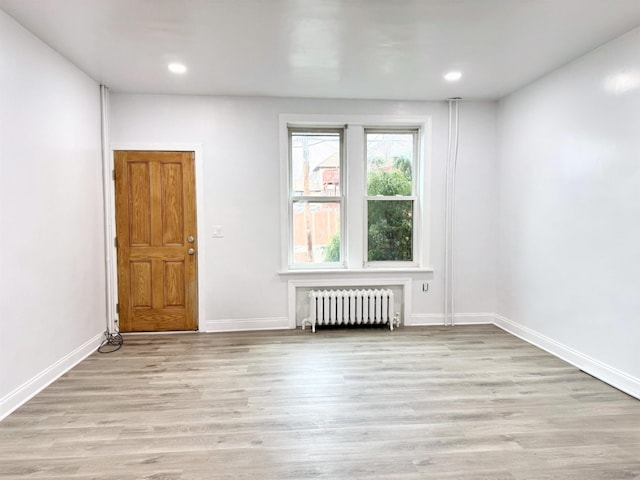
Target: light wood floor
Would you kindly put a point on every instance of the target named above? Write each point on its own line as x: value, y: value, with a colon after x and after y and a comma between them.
x: 421, y: 403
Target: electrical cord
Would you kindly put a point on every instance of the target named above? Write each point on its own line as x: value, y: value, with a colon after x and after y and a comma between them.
x: 112, y: 342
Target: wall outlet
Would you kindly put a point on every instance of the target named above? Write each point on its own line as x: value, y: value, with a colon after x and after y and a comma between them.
x: 217, y: 231
x: 425, y: 287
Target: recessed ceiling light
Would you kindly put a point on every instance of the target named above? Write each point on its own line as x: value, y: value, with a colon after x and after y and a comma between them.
x: 177, y: 68
x: 453, y: 76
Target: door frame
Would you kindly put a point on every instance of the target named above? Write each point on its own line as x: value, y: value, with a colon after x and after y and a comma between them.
x: 110, y: 225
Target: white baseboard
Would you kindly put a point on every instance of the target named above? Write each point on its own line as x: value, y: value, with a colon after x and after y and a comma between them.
x: 29, y: 389
x: 601, y: 371
x: 243, y: 324
x: 427, y: 319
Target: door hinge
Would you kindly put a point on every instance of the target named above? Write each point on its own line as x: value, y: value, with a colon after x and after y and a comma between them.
x: 115, y: 242
x: 113, y: 174
x: 117, y: 308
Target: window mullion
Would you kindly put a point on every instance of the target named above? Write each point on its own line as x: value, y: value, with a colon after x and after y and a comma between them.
x: 355, y: 173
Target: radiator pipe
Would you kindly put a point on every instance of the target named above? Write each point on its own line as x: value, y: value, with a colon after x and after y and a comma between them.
x: 109, y: 235
x: 450, y: 192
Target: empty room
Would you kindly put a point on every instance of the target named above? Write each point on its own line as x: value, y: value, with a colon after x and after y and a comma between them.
x: 338, y: 239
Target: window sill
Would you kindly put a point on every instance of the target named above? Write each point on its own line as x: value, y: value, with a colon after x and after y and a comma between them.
x: 356, y: 271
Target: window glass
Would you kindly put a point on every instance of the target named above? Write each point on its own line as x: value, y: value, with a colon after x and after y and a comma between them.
x: 390, y: 189
x: 316, y: 232
x: 390, y: 163
x: 315, y: 163
x: 390, y: 230
x: 381, y: 196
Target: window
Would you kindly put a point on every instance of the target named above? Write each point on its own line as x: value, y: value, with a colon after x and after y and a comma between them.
x: 354, y: 193
x: 316, y: 197
x: 390, y: 195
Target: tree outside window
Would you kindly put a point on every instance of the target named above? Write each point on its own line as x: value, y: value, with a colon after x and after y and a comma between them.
x: 390, y: 195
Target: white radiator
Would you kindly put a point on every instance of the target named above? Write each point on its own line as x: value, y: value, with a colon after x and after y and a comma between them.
x: 351, y: 307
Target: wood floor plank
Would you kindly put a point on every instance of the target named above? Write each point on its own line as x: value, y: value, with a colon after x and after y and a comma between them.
x: 466, y: 403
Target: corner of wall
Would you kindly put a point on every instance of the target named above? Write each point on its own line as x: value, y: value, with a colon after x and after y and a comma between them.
x: 21, y: 395
x: 606, y: 373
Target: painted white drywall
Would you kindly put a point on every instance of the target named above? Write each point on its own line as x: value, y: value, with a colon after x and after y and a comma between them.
x: 241, y: 191
x: 51, y: 245
x: 569, y: 205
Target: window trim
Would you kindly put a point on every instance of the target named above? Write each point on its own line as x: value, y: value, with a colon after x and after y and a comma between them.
x: 353, y: 255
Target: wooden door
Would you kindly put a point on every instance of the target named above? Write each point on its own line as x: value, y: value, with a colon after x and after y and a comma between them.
x: 156, y: 240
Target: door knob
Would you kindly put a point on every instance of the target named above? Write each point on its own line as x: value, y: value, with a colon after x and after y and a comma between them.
x: 191, y: 251
x: 190, y: 239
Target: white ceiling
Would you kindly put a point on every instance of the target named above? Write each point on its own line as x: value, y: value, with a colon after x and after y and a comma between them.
x: 385, y: 49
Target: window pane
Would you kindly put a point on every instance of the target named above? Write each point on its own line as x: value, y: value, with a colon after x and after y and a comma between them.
x: 389, y: 163
x: 390, y: 230
x: 316, y: 232
x: 315, y: 163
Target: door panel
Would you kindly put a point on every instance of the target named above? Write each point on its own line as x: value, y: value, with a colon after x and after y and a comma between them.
x: 174, y: 284
x: 139, y: 208
x: 155, y: 216
x: 140, y: 274
x: 172, y: 206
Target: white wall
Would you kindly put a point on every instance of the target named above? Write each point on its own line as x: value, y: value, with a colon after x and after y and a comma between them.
x: 241, y: 190
x: 51, y: 245
x: 569, y: 215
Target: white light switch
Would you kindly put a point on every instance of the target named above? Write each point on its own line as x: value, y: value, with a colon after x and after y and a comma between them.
x: 217, y: 231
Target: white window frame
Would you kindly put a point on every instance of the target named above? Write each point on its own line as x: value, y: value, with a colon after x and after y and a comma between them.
x: 292, y: 199
x: 353, y: 230
x: 414, y: 197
